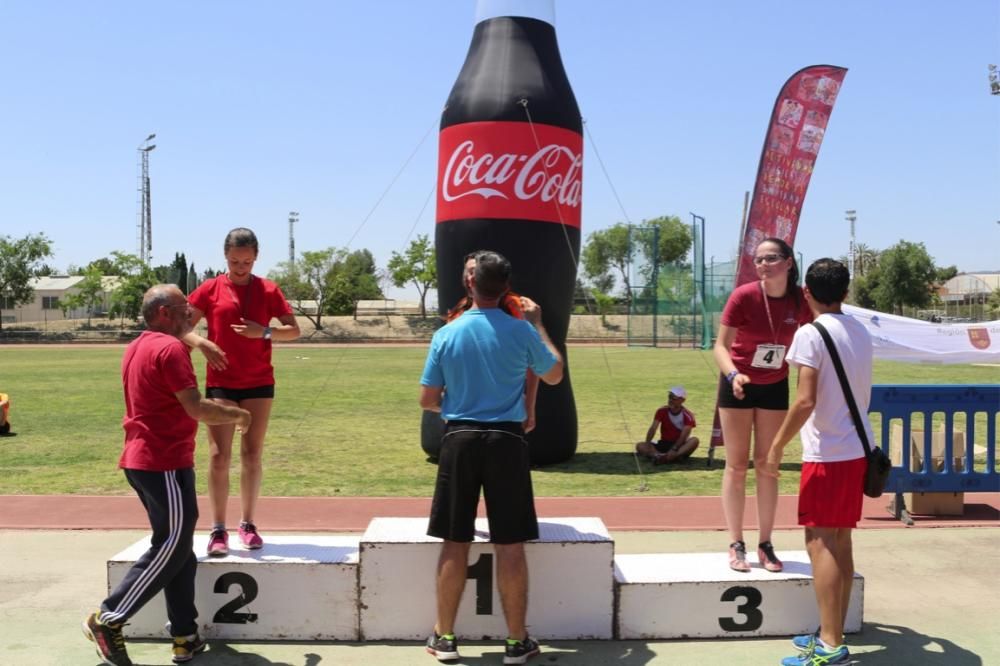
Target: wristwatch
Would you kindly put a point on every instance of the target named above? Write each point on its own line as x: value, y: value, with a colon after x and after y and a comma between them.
x: 732, y: 375
x: 267, y: 334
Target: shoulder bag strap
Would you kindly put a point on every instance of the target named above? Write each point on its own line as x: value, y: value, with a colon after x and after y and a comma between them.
x: 842, y: 376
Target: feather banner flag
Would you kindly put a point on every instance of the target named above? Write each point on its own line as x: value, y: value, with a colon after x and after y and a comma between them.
x: 791, y: 146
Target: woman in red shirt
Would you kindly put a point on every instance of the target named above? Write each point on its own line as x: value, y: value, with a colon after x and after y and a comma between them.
x: 757, y: 325
x: 239, y: 307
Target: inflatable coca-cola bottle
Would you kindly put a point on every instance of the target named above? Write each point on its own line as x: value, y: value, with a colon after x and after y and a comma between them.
x: 509, y: 180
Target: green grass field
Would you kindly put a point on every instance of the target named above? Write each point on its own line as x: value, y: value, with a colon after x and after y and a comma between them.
x: 346, y: 421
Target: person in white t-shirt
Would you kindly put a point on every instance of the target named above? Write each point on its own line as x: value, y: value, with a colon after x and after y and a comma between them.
x: 833, y: 458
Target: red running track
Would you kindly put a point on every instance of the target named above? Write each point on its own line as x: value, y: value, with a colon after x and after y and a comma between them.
x: 352, y: 514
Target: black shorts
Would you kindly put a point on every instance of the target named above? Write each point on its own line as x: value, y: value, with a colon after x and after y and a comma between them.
x: 756, y: 396
x: 491, y: 456
x: 662, y: 446
x: 239, y: 395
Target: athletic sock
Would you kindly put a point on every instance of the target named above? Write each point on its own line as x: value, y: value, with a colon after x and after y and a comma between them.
x: 218, y: 527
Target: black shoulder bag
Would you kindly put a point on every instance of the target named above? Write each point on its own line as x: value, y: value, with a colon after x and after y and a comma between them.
x: 877, y: 473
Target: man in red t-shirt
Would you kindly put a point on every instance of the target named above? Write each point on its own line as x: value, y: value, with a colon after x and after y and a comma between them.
x: 4, y: 411
x: 675, y: 424
x: 162, y: 410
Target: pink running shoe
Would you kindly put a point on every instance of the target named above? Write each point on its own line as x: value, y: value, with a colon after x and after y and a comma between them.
x: 767, y: 558
x: 218, y: 543
x: 249, y: 537
x: 738, y: 557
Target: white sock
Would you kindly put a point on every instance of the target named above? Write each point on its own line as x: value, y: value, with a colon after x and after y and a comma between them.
x: 827, y: 647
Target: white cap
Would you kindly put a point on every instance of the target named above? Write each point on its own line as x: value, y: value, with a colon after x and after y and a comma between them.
x: 679, y: 392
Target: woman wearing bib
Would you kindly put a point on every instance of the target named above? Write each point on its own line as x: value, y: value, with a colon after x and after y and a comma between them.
x: 757, y: 325
x: 238, y: 307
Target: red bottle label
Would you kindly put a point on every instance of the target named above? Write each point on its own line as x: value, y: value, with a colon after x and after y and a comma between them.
x: 510, y: 170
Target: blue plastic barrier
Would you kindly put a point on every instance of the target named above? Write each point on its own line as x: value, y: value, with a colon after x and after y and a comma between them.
x: 901, y: 402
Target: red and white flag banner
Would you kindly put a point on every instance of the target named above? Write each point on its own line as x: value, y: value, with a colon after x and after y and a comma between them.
x: 794, y: 135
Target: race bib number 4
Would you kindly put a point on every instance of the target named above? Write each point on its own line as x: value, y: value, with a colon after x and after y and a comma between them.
x: 768, y: 356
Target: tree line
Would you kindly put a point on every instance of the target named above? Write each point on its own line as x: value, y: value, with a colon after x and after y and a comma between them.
x: 332, y: 281
x: 317, y: 284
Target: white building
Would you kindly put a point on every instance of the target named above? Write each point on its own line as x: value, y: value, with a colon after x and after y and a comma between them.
x: 49, y: 292
x: 969, y: 288
x: 388, y: 306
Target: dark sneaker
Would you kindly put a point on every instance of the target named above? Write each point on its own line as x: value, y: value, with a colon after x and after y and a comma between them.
x: 767, y: 558
x: 249, y: 537
x: 519, y: 652
x: 186, y: 647
x: 445, y: 649
x: 805, y: 642
x: 109, y: 641
x: 218, y: 543
x: 819, y: 656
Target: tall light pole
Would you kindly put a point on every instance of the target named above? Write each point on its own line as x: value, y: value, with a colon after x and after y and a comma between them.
x: 851, y: 216
x: 293, y: 217
x: 699, y: 275
x: 145, y: 222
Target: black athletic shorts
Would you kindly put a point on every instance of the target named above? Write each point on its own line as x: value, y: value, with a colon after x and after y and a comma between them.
x: 239, y: 395
x: 759, y: 396
x: 491, y: 456
x: 662, y: 446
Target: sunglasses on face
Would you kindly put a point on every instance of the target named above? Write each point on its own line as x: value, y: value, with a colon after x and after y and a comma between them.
x: 768, y: 259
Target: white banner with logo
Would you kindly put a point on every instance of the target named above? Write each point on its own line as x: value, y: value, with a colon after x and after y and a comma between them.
x: 896, y: 338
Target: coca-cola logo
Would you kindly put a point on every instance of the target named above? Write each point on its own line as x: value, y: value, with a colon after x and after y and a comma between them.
x: 510, y: 170
x: 551, y: 173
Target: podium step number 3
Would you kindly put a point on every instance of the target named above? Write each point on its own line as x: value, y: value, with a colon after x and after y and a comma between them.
x: 697, y: 595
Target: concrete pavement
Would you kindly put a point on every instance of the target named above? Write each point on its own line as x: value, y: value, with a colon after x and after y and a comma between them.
x: 931, y: 599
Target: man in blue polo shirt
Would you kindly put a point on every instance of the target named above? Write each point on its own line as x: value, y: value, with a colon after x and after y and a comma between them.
x: 474, y: 376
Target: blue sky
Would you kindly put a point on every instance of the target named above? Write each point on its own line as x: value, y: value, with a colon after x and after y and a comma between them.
x: 264, y: 108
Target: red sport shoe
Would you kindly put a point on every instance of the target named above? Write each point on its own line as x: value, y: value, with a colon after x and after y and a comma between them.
x: 249, y: 537
x: 218, y: 543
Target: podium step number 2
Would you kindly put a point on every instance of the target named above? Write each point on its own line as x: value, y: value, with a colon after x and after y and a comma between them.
x: 295, y: 588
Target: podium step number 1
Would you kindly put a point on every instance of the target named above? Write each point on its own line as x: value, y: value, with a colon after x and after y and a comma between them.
x: 570, y: 594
